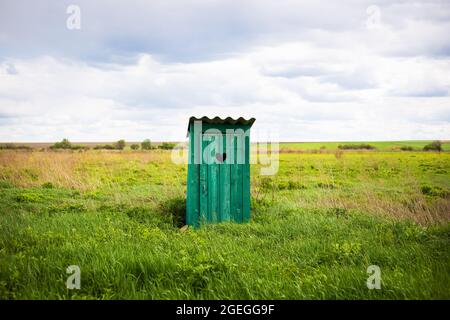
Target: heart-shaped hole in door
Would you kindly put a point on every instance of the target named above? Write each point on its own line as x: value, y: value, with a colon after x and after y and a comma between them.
x: 221, y: 157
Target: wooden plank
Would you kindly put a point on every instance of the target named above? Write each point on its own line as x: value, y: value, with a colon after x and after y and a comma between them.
x: 225, y: 187
x: 246, y: 183
x: 196, y: 195
x: 239, y: 179
x: 192, y: 202
x: 188, y: 197
x: 203, y: 189
x: 233, y: 184
x: 213, y: 192
x: 239, y: 194
x: 192, y: 198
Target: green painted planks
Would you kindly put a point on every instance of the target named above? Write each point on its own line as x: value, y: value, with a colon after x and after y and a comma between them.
x: 219, y: 191
x: 233, y: 183
x: 213, y: 192
x: 225, y: 186
x: 239, y: 194
x: 193, y: 188
x: 239, y: 175
x: 193, y: 207
x: 203, y: 191
x: 213, y: 189
x: 226, y: 192
x: 233, y: 192
x: 246, y: 183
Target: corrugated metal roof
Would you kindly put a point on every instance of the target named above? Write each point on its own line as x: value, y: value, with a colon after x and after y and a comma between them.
x: 218, y: 120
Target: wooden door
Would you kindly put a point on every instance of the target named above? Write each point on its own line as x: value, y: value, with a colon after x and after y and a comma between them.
x: 222, y: 182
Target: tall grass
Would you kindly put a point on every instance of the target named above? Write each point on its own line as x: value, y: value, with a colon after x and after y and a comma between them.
x: 316, y: 227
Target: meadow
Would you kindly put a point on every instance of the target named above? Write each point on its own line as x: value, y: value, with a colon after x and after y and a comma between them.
x: 415, y: 145
x: 315, y: 227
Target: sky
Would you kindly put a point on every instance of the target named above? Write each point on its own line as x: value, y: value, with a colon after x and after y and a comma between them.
x: 306, y: 70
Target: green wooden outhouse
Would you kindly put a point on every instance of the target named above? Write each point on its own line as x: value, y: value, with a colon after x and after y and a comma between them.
x: 218, y: 185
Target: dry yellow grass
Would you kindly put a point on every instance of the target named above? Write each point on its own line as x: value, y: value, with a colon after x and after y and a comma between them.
x: 67, y: 169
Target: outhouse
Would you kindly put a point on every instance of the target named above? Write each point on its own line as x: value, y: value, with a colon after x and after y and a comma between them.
x: 218, y: 185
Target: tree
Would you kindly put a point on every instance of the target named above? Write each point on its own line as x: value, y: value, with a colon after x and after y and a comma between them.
x: 167, y: 146
x: 434, y: 146
x: 64, y: 144
x: 146, y: 144
x: 120, y: 145
x: 134, y: 146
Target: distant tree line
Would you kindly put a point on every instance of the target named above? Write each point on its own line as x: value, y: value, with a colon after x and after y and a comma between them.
x: 433, y: 146
x: 12, y: 146
x: 65, y: 144
x: 361, y: 146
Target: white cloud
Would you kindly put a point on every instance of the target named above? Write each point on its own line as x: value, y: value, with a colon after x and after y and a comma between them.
x: 138, y: 72
x: 49, y: 99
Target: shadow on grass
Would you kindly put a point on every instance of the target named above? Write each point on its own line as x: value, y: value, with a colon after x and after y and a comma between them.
x: 175, y: 208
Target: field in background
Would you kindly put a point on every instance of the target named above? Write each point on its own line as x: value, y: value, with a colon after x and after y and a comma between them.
x: 316, y: 227
x: 417, y: 145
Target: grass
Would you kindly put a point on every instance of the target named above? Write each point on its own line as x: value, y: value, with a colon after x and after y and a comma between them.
x: 316, y: 227
x: 416, y: 145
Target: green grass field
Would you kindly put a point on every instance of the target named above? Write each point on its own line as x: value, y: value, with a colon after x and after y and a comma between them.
x: 316, y: 227
x: 417, y: 145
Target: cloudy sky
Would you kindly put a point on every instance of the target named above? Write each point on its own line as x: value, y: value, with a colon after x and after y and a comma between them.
x: 309, y: 70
